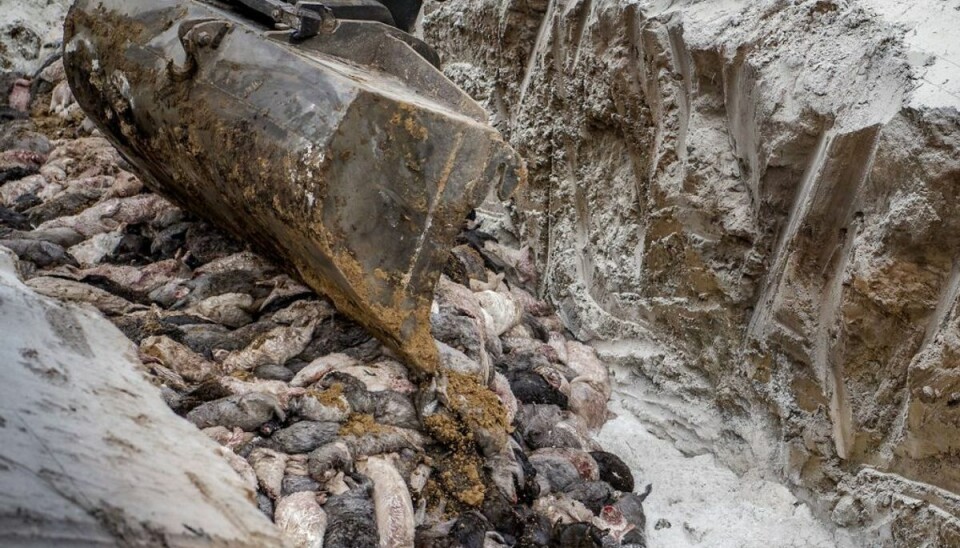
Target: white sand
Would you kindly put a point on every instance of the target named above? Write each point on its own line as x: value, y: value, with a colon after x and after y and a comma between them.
x: 707, y: 504
x: 930, y: 32
x: 30, y: 32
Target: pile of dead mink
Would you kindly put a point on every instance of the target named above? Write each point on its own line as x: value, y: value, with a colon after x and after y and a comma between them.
x: 317, y: 416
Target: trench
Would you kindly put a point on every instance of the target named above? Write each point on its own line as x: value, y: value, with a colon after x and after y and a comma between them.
x: 710, y: 215
x: 712, y: 209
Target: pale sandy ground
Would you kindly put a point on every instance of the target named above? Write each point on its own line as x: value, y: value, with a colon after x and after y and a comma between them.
x: 707, y: 504
x: 930, y: 31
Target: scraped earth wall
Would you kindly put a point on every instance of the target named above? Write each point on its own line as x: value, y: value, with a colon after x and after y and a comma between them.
x: 91, y: 454
x: 751, y: 210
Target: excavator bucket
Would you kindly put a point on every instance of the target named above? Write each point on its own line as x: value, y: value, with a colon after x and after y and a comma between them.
x: 339, y: 151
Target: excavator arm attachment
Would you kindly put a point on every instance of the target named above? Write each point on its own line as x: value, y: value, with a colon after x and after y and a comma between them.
x: 346, y: 156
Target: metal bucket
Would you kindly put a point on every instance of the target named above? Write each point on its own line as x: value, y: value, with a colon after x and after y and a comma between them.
x: 346, y: 157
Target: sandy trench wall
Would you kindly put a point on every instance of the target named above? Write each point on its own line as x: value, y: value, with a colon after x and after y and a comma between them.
x: 92, y: 456
x: 750, y: 209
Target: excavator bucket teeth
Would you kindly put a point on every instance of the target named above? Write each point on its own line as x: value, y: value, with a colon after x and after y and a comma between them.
x: 347, y: 157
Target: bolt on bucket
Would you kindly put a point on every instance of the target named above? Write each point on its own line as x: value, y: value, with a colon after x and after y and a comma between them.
x: 345, y: 156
